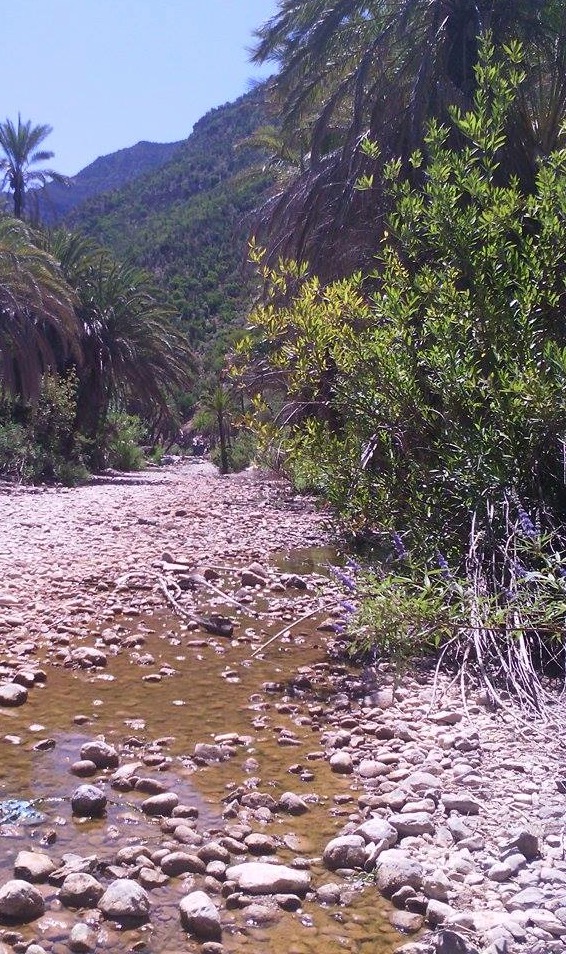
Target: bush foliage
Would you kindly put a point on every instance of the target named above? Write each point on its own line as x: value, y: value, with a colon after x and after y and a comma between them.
x: 434, y: 407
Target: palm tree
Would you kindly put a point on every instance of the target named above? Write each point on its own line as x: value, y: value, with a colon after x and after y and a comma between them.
x: 20, y: 146
x: 383, y: 69
x: 38, y: 325
x: 132, y: 350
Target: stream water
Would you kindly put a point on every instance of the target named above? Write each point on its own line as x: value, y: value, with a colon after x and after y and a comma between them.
x: 207, y: 688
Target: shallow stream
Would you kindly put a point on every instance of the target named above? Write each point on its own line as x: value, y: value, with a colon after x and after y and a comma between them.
x: 208, y: 687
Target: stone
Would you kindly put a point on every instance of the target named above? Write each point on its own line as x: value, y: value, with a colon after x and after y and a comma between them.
x: 293, y: 804
x: 395, y: 869
x: 370, y: 768
x: 377, y: 831
x: 12, y: 694
x: 84, y: 768
x: 125, y: 900
x: 437, y: 912
x: 20, y: 901
x: 200, y: 917
x: 406, y: 921
x: 547, y: 921
x: 446, y: 717
x: 449, y: 942
x: 523, y: 900
x: 101, y: 753
x: 346, y: 851
x: 261, y: 914
x: 412, y: 824
x: 162, y: 804
x: 261, y: 877
x: 259, y: 844
x: 341, y: 763
x: 503, y: 870
x: 463, y: 803
x: 80, y: 890
x: 88, y: 657
x: 82, y: 939
x: 180, y: 862
x: 328, y: 893
x: 88, y: 801
x: 524, y: 843
x: 437, y: 885
x: 34, y: 866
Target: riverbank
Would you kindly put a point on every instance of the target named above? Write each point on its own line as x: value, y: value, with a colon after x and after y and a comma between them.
x: 450, y: 810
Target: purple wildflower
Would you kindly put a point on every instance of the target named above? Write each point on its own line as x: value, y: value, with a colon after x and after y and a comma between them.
x: 353, y: 565
x: 348, y: 607
x: 344, y: 578
x: 527, y: 525
x: 398, y: 545
x: 443, y: 566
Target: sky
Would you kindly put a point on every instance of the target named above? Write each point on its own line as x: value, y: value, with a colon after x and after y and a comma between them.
x: 106, y: 74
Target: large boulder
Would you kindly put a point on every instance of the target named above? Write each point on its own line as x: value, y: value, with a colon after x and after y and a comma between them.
x: 125, y: 900
x: 20, y: 902
x: 261, y: 877
x: 200, y: 917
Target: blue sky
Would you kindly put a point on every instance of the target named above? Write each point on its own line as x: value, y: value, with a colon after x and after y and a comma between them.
x: 107, y: 73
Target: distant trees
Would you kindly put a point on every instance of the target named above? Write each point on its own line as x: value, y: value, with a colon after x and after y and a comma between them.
x: 130, y: 348
x: 20, y: 144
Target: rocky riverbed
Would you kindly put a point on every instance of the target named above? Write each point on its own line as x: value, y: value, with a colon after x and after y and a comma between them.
x: 187, y: 764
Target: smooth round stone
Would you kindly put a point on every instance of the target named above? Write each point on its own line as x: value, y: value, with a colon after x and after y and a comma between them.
x: 20, y: 901
x: 80, y: 890
x: 102, y: 754
x: 124, y: 900
x: 88, y: 801
x: 346, y: 851
x: 162, y: 804
x: 12, y: 694
x: 200, y: 917
x: 33, y: 866
x: 84, y: 768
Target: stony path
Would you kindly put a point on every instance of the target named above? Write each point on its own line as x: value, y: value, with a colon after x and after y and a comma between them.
x: 458, y: 813
x: 63, y: 550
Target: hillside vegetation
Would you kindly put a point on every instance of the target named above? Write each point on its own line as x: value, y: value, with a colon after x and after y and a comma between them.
x: 188, y: 221
x: 56, y: 201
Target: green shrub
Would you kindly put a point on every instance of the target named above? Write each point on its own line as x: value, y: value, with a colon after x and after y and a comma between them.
x: 121, y: 442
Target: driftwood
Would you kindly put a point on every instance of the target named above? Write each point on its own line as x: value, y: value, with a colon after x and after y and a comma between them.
x: 215, y: 624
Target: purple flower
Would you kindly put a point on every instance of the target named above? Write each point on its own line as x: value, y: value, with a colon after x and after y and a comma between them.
x: 398, y: 545
x: 527, y: 525
x: 344, y: 578
x: 353, y: 565
x: 443, y: 566
x: 348, y: 607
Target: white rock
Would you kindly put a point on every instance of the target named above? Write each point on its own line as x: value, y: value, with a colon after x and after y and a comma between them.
x: 260, y: 877
x: 200, y: 917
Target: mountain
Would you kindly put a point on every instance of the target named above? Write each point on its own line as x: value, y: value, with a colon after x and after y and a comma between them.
x: 55, y: 202
x: 189, y: 220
